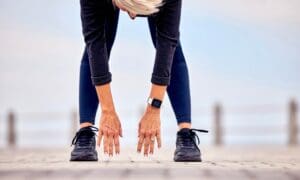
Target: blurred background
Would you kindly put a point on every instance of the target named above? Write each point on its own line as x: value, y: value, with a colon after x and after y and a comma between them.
x: 243, y: 58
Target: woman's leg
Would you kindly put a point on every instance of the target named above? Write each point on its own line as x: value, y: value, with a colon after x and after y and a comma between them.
x: 88, y: 100
x: 179, y: 89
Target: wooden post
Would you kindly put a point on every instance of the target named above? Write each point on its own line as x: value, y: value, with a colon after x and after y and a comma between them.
x: 11, y: 130
x: 74, y: 123
x: 293, y: 126
x: 218, y: 132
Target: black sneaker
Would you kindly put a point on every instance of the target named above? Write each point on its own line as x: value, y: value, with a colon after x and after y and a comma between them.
x: 85, y: 145
x: 186, y: 147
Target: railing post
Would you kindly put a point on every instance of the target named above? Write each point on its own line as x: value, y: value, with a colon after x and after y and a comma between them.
x: 218, y: 131
x: 74, y: 123
x: 293, y: 126
x: 11, y: 129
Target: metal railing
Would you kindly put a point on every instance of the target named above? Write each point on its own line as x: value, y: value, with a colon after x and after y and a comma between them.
x: 217, y: 124
x: 292, y: 121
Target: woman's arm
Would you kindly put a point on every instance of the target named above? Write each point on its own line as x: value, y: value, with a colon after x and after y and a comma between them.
x: 110, y: 125
x: 167, y: 26
x: 149, y: 126
x: 93, y: 27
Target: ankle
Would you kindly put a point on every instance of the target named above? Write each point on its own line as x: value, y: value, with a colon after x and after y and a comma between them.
x: 85, y: 124
x: 184, y: 125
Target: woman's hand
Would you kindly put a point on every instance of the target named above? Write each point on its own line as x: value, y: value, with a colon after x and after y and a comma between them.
x: 149, y: 130
x: 109, y: 125
x: 109, y: 129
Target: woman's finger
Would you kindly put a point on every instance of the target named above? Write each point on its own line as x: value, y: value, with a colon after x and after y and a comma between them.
x: 117, y: 143
x: 110, y: 142
x: 139, y: 130
x: 105, y: 141
x: 140, y: 143
x: 152, y: 141
x: 147, y: 144
x: 158, y: 138
x: 100, y: 135
x: 120, y: 131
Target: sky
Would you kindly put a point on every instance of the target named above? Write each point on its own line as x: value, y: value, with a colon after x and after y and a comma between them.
x: 239, y: 52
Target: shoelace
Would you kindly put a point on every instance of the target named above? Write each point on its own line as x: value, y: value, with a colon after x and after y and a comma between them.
x: 190, y: 138
x: 91, y: 129
x: 193, y: 132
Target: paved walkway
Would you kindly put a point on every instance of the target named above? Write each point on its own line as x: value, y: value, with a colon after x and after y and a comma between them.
x: 219, y: 163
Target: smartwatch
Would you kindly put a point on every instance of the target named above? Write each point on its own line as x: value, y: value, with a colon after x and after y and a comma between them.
x: 154, y: 102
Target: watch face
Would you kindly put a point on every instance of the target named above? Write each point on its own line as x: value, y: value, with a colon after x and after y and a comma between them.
x: 156, y: 103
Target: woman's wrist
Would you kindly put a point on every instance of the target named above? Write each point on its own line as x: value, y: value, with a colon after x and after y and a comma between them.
x: 105, y: 98
x: 108, y: 111
x: 151, y: 109
x: 107, y: 105
x: 157, y: 92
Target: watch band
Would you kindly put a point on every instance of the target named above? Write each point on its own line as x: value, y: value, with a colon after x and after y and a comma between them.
x: 154, y: 102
